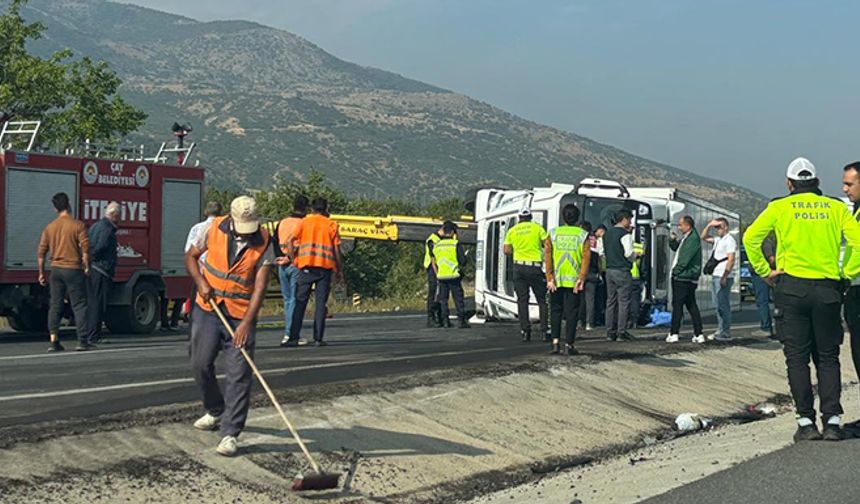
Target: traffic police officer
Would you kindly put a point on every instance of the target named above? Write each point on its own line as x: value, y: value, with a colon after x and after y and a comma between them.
x: 571, y: 254
x: 529, y: 244
x: 448, y: 259
x: 851, y: 188
x: 809, y: 229
x: 432, y: 285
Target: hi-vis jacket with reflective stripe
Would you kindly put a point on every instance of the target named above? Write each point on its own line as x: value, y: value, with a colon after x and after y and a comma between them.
x: 639, y: 249
x: 447, y: 263
x: 567, y: 245
x: 434, y: 239
x: 317, y: 239
x: 809, y: 231
x: 233, y: 284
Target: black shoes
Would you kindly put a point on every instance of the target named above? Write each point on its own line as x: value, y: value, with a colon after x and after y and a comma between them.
x: 290, y: 343
x: 431, y: 321
x: 464, y: 324
x: 570, y: 350
x: 320, y: 343
x: 807, y: 433
x: 611, y: 337
x: 832, y: 433
x: 85, y: 347
x: 626, y: 336
x: 527, y: 336
x: 56, y: 347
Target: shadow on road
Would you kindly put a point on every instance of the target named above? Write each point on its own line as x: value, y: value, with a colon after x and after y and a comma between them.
x: 369, y: 442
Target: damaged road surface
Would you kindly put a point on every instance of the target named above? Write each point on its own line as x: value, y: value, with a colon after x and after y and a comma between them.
x: 405, y: 414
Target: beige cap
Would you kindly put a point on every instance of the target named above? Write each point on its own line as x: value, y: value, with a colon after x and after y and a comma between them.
x: 243, y: 211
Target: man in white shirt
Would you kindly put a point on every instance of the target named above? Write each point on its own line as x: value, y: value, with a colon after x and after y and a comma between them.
x: 725, y: 251
x: 213, y: 210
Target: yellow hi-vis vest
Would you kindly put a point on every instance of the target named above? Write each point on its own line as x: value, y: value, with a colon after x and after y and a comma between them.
x: 445, y: 252
x: 434, y: 239
x: 639, y: 249
x: 809, y: 231
x: 567, y: 244
x: 849, y: 251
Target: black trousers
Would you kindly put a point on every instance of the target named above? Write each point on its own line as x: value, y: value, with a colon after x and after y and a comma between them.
x: 530, y: 278
x: 564, y: 303
x: 684, y: 295
x: 73, y: 282
x: 432, y: 293
x: 98, y: 286
x: 175, y: 312
x: 455, y: 287
x: 852, y: 320
x: 318, y: 279
x: 810, y: 328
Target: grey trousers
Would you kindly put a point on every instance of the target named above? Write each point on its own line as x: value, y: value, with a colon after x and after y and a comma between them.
x: 618, y: 285
x: 71, y: 282
x: 208, y: 338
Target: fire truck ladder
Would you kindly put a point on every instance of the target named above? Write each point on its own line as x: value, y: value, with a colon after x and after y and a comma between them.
x: 22, y: 128
x: 182, y: 153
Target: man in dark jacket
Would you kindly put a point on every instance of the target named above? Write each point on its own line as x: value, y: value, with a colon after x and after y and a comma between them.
x: 102, y: 236
x: 686, y: 269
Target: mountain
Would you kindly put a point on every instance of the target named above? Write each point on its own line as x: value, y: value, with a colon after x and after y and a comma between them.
x: 267, y: 103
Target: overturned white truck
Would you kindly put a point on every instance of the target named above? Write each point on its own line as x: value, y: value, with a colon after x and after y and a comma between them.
x: 656, y: 211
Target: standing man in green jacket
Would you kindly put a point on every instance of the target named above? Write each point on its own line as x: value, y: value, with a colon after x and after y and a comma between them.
x: 809, y: 231
x: 686, y: 269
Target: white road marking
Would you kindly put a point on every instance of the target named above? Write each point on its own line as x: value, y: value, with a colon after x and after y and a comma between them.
x: 176, y: 381
x: 71, y: 353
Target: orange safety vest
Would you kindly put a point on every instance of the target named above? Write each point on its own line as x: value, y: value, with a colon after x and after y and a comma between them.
x: 317, y: 241
x: 287, y: 230
x: 234, y: 285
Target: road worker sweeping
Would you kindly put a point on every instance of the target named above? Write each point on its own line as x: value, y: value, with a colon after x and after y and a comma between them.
x: 234, y: 273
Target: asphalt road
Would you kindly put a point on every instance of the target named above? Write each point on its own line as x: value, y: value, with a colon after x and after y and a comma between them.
x: 807, y: 472
x: 132, y: 372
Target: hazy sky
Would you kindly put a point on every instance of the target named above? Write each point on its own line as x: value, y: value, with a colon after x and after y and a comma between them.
x: 732, y: 89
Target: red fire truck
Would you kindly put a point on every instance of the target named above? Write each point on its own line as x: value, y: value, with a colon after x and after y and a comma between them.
x: 160, y: 202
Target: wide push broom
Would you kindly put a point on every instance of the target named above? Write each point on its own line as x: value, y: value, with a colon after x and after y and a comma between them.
x: 317, y: 481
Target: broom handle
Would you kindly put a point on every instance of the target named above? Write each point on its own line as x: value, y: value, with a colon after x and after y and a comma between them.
x: 265, y: 385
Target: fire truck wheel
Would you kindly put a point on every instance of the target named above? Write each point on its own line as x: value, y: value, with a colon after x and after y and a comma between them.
x: 29, y: 319
x: 139, y: 318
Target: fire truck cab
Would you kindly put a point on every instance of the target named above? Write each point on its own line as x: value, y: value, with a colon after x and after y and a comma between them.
x: 160, y: 202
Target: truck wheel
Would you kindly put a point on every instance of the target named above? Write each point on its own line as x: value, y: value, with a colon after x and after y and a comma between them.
x: 141, y: 316
x: 29, y: 319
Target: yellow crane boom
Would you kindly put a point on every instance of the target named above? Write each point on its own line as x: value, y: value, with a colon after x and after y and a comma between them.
x: 395, y: 228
